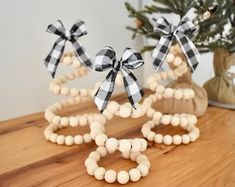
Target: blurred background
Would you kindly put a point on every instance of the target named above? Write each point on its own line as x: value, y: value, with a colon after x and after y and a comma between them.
x: 25, y: 43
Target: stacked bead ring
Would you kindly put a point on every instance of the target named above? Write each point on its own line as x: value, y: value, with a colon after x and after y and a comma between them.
x: 77, y: 96
x: 186, y: 121
x: 111, y: 176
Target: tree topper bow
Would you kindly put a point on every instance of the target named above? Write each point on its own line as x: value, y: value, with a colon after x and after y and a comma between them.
x: 53, y: 58
x: 179, y: 32
x: 106, y: 59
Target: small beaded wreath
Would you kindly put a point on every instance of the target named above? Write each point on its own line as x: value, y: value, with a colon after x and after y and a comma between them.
x: 111, y: 176
x: 77, y: 96
x: 186, y: 121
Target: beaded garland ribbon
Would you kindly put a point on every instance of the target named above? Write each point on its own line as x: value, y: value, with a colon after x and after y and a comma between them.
x: 178, y: 32
x: 53, y: 58
x: 106, y: 59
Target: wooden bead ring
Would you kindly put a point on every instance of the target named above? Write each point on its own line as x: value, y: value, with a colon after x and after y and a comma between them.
x: 111, y: 176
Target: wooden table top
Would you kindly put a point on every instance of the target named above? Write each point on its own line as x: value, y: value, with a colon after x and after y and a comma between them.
x: 27, y: 159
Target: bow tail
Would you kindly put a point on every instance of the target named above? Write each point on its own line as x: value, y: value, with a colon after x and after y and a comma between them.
x: 105, y: 91
x: 134, y: 91
x: 161, y: 50
x: 53, y: 58
x: 189, y: 50
x: 82, y: 54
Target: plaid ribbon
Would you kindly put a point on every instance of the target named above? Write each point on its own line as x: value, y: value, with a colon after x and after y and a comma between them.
x: 179, y: 32
x: 53, y: 58
x: 106, y: 59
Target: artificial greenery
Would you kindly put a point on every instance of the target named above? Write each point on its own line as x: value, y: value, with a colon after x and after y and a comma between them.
x: 212, y: 33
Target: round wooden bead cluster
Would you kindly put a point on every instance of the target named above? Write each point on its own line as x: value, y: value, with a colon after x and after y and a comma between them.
x: 186, y: 121
x: 111, y: 176
x: 74, y: 121
x: 76, y: 96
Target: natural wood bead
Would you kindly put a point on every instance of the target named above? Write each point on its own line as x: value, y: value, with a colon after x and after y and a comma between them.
x: 95, y: 155
x: 67, y: 60
x: 102, y: 151
x: 110, y: 176
x: 183, y: 121
x: 171, y: 74
x: 146, y: 162
x: 125, y: 111
x: 69, y: 140
x: 111, y: 145
x: 136, y: 145
x: 169, y: 92
x: 124, y: 146
x: 164, y: 75
x: 141, y: 158
x: 186, y: 94
x: 192, y: 136
x: 101, y: 139
x: 144, y: 170
x: 56, y: 120
x: 153, y: 86
x: 150, y: 80
x: 76, y: 63
x: 73, y: 121
x: 56, y: 89
x: 82, y: 121
x: 107, y: 114
x: 134, y: 155
x: 83, y: 92
x: 170, y: 57
x: 64, y: 121
x: 158, y: 138
x: 157, y: 116
x: 185, y: 139
x: 167, y: 139
x: 78, y: 139
x: 134, y: 175
x: 175, y: 121
x: 119, y: 80
x: 165, y: 120
x: 150, y: 136
x: 150, y: 112
x: 99, y: 173
x: 87, y: 138
x: 123, y: 177
x: 60, y: 139
x: 91, y: 169
x: 177, y: 140
x: 90, y: 161
x: 138, y: 112
x: 160, y: 89
x: 178, y: 94
x: 113, y: 106
x: 53, y: 137
x: 74, y: 92
x: 143, y: 143
x: 177, y: 61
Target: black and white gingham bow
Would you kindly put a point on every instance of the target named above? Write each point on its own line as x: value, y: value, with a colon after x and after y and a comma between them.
x: 53, y: 58
x: 106, y: 59
x: 179, y: 32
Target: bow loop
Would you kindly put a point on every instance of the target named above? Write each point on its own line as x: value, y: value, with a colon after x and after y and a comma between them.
x: 178, y: 32
x: 106, y: 59
x: 53, y: 58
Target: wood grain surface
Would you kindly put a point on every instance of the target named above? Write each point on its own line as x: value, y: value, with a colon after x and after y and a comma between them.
x: 27, y: 159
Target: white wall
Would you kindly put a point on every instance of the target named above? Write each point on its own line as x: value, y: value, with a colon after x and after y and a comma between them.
x: 24, y: 44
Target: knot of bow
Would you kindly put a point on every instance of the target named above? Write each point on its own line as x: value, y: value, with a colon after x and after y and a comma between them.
x: 106, y: 59
x: 178, y: 32
x: 77, y: 30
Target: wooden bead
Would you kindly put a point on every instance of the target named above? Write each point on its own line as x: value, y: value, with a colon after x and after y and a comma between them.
x: 73, y: 121
x: 186, y: 94
x: 110, y: 176
x: 192, y: 136
x: 87, y: 138
x: 56, y: 90
x: 177, y: 139
x: 144, y: 170
x: 99, y: 173
x: 165, y: 120
x: 134, y: 155
x: 134, y: 175
x: 123, y: 177
x: 158, y: 138
x: 150, y: 136
x: 90, y: 161
x: 169, y: 92
x: 185, y: 139
x: 53, y: 137
x: 111, y: 145
x: 124, y: 146
x: 101, y: 139
x: 74, y: 92
x: 119, y: 80
x: 56, y: 120
x: 175, y: 121
x: 125, y: 111
x: 67, y: 60
x: 69, y: 140
x: 153, y: 86
x: 136, y: 145
x: 64, y: 121
x: 177, y: 61
x: 76, y: 63
x: 183, y: 121
x: 157, y: 116
x: 107, y: 114
x: 102, y: 151
x: 60, y: 139
x: 83, y: 92
x: 178, y: 94
x: 95, y: 155
x: 143, y: 143
x: 113, y: 107
x: 160, y: 89
x: 82, y: 121
x: 91, y: 169
x: 164, y: 75
x: 170, y: 57
x: 167, y: 139
x: 78, y: 139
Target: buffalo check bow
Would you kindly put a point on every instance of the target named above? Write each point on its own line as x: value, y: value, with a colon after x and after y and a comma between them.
x: 179, y: 32
x: 106, y: 59
x: 53, y: 58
